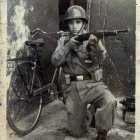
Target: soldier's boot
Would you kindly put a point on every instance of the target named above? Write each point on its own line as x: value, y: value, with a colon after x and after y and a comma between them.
x: 102, y: 136
x: 99, y: 137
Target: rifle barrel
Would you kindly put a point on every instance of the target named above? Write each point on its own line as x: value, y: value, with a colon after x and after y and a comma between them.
x: 100, y: 34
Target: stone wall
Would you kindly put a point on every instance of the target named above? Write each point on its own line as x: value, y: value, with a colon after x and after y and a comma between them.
x: 25, y: 16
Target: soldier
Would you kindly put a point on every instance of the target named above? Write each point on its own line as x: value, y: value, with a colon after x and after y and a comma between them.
x: 81, y: 63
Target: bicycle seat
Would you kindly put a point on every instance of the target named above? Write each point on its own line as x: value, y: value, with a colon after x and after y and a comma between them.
x: 35, y: 43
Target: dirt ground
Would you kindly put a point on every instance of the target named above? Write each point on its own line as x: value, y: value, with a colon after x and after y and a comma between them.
x: 53, y: 126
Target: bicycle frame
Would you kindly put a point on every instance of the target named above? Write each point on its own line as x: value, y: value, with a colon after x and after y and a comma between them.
x: 36, y: 63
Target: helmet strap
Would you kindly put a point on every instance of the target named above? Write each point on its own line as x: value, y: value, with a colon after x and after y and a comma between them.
x: 80, y: 29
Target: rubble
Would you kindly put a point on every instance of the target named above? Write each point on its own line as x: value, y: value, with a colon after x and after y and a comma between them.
x: 53, y: 126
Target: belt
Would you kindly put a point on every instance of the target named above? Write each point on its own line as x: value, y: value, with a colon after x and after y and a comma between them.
x: 80, y: 77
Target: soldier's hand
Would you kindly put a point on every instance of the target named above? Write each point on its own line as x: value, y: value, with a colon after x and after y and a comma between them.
x: 73, y: 40
x: 74, y: 44
x: 93, y: 40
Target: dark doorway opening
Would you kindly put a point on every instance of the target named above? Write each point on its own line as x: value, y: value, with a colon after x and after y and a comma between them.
x: 63, y: 6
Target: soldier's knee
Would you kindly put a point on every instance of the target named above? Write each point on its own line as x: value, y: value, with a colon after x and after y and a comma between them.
x: 77, y: 130
x: 76, y: 125
x: 109, y: 98
x: 111, y: 101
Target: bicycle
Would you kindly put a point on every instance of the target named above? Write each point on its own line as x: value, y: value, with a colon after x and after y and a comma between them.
x: 27, y: 89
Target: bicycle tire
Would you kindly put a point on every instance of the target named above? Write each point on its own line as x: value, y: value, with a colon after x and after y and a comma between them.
x: 22, y: 114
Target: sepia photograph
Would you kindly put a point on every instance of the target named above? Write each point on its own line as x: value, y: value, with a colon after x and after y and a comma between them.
x: 69, y: 69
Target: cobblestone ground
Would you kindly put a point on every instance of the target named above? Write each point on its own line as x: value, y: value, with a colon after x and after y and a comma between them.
x: 53, y: 126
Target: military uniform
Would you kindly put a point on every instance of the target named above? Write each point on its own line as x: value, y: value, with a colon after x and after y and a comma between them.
x: 85, y: 64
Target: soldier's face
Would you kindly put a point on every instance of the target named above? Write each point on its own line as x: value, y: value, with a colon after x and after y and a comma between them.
x: 75, y: 25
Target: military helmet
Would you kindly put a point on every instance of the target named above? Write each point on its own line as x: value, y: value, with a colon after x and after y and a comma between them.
x: 75, y: 12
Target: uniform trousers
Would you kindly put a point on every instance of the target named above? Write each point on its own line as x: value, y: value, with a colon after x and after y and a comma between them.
x: 78, y: 94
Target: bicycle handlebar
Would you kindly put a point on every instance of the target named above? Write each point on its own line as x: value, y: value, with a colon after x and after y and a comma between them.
x: 40, y: 31
x: 37, y: 30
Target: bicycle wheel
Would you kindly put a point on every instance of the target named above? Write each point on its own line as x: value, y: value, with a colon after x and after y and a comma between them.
x: 23, y: 110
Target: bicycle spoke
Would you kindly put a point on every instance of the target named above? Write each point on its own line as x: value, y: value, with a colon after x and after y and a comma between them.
x: 20, y: 116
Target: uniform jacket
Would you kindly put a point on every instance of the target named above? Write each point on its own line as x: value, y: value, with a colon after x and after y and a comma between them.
x: 88, y: 59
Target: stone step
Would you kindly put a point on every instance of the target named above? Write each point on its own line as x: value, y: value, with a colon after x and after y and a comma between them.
x: 114, y: 134
x: 120, y: 134
x: 126, y: 123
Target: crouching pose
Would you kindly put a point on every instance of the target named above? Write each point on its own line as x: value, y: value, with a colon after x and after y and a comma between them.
x: 82, y: 78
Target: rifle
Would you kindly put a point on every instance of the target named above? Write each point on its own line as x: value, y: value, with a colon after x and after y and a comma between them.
x: 100, y: 34
x: 85, y: 36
